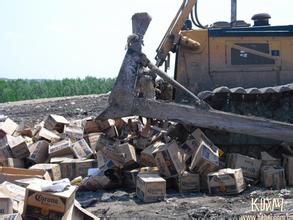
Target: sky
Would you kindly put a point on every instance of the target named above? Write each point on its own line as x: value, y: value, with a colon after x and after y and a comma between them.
x: 54, y: 39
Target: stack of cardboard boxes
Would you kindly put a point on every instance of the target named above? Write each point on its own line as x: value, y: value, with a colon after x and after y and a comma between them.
x: 149, y: 155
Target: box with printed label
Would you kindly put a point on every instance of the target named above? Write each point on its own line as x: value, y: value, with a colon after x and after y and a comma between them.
x: 226, y: 182
x: 250, y: 166
x: 150, y: 187
x: 47, y: 205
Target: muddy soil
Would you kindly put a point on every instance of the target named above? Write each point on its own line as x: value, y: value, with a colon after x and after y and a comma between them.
x: 124, y: 204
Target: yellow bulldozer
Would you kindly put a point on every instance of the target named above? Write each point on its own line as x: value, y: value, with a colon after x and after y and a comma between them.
x: 231, y: 78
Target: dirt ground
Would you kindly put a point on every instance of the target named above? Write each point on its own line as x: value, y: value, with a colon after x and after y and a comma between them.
x: 254, y: 201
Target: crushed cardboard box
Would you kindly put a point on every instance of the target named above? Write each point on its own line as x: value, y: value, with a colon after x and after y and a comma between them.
x: 226, y: 181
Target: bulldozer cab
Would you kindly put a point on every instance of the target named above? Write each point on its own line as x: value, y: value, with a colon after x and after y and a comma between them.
x: 230, y: 54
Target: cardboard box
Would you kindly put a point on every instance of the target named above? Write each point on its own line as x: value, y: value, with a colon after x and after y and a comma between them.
x: 226, y: 182
x: 15, y: 192
x: 101, y: 159
x: 268, y: 160
x: 288, y: 165
x: 24, y: 129
x: 5, y: 151
x: 104, y: 124
x: 169, y: 160
x: 92, y: 140
x: 112, y: 132
x: 81, y: 149
x: 18, y: 147
x: 130, y: 155
x: 150, y: 187
x: 76, y: 167
x: 47, y: 205
x: 55, y: 122
x: 47, y: 135
x: 53, y: 169
x: 273, y: 177
x: 130, y: 178
x: 15, y: 216
x: 39, y: 151
x: 73, y: 132
x: 59, y: 160
x: 8, y: 127
x: 205, y: 159
x: 250, y: 166
x: 10, y: 174
x: 12, y: 162
x: 147, y: 156
x: 61, y: 148
x: 6, y: 206
x: 90, y: 125
x: 188, y: 182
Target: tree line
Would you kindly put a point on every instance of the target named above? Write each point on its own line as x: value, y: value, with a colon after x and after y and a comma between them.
x: 24, y: 89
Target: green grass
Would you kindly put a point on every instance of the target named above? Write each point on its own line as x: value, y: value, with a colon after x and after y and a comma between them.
x: 15, y: 90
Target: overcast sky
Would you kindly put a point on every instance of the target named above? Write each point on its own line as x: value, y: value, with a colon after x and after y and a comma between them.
x: 75, y: 38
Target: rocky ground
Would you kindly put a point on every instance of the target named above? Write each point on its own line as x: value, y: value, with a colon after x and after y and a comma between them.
x: 124, y: 204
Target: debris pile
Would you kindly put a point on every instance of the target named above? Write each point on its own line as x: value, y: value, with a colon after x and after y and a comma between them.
x: 43, y: 165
